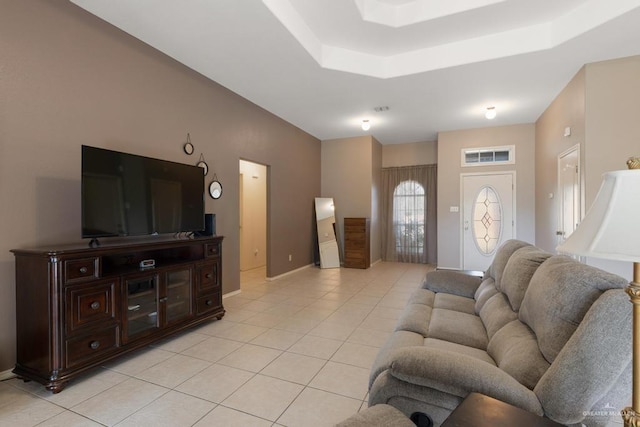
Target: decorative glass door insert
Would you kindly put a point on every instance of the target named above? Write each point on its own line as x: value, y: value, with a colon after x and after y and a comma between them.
x: 487, y: 220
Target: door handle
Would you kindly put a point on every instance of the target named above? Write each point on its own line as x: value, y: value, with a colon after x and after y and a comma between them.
x: 559, y: 233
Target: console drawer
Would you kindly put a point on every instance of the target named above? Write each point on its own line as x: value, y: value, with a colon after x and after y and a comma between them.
x: 90, y: 304
x: 212, y: 249
x: 208, y: 303
x: 85, y: 348
x: 79, y: 270
x: 208, y: 276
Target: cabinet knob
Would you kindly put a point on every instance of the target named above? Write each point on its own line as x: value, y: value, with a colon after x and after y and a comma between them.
x: 209, y: 302
x: 94, y: 345
x: 95, y: 305
x: 83, y: 270
x: 208, y: 275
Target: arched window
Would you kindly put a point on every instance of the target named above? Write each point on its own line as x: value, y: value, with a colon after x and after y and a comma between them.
x: 409, y: 219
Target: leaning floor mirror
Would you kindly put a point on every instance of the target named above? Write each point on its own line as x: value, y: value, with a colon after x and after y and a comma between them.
x: 326, y: 223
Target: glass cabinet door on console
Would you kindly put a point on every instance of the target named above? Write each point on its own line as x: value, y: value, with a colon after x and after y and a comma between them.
x: 178, y: 295
x: 142, y: 303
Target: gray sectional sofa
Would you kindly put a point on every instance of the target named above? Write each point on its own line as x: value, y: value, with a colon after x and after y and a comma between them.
x: 542, y: 332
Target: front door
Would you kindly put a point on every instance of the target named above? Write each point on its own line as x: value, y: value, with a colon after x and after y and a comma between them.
x: 488, y: 216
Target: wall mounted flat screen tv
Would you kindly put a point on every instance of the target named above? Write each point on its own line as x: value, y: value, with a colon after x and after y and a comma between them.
x: 129, y: 195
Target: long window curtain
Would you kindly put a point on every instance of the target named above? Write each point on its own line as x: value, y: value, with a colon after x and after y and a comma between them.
x: 409, y: 214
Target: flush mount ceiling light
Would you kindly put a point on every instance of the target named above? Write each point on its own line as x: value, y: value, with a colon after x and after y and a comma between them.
x: 366, y: 125
x: 490, y: 113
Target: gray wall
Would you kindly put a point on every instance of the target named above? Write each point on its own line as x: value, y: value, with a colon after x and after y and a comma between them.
x: 69, y: 79
x: 411, y: 154
x: 352, y: 175
x: 566, y: 110
x: 351, y: 169
x: 612, y: 129
x: 449, y: 170
x: 602, y: 105
x: 612, y: 118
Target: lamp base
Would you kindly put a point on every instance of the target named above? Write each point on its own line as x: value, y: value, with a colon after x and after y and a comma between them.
x: 631, y: 418
x: 631, y: 415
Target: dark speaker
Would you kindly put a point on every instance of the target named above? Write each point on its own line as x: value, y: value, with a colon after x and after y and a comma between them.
x: 209, y: 226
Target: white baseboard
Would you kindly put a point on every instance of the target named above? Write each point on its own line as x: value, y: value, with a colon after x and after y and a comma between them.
x: 5, y: 375
x: 270, y: 279
x: 230, y: 294
x: 375, y: 262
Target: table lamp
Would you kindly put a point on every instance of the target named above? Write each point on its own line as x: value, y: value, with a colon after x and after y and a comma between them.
x: 611, y: 230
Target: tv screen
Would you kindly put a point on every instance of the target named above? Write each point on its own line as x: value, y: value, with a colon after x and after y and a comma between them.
x: 128, y: 195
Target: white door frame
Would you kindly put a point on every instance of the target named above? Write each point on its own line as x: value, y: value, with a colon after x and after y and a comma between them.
x: 514, y: 193
x: 264, y: 168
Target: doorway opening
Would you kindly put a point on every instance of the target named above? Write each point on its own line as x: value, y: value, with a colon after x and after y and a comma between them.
x: 253, y: 223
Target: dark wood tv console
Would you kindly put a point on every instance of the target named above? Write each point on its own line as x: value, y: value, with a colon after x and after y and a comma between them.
x: 80, y: 306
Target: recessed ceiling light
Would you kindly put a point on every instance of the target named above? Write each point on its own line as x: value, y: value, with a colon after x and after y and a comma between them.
x: 366, y: 124
x: 490, y: 113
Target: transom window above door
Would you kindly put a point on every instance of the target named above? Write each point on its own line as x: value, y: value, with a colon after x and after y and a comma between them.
x: 486, y: 156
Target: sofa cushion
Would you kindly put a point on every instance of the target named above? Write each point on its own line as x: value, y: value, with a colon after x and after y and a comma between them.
x: 382, y: 414
x: 515, y: 350
x: 457, y: 327
x: 496, y: 313
x: 458, y: 375
x: 460, y: 349
x: 485, y: 291
x: 422, y: 296
x: 455, y: 303
x: 596, y: 361
x: 518, y: 272
x: 415, y: 318
x: 559, y: 295
x: 397, y: 340
x: 501, y: 258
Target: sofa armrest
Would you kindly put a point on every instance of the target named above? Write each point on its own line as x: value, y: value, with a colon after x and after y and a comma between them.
x: 452, y: 282
x: 459, y: 375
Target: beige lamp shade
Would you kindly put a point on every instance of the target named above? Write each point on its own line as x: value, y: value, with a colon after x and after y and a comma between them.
x: 611, y: 228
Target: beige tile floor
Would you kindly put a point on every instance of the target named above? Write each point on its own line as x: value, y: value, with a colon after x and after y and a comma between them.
x: 295, y: 351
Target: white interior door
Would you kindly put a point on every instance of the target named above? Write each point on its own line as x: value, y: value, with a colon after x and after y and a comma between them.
x: 488, y: 216
x: 569, y: 193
